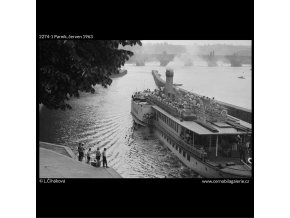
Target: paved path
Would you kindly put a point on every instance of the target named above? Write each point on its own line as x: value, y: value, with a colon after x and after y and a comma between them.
x: 55, y: 165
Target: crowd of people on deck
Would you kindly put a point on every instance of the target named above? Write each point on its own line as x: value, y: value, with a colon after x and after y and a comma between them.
x: 187, y: 103
x: 88, y: 156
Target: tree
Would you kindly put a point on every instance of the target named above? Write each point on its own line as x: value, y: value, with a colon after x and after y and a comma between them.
x: 67, y: 67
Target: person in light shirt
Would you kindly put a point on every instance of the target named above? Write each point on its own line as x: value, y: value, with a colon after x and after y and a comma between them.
x: 89, y: 156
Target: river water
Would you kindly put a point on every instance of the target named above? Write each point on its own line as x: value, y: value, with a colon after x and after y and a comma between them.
x: 103, y: 119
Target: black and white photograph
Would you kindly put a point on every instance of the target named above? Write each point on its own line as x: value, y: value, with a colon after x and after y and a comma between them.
x: 158, y: 126
x: 145, y: 108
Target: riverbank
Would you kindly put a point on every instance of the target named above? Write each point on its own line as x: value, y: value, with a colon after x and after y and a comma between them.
x: 56, y: 161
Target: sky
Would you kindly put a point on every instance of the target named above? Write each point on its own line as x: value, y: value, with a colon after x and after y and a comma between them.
x: 200, y: 42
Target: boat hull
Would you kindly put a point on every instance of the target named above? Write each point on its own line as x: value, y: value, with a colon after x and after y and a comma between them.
x: 138, y: 110
x: 199, y: 166
x: 136, y: 120
x: 194, y: 164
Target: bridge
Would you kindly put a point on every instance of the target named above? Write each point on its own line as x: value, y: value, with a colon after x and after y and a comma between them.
x: 140, y: 59
x: 235, y: 60
x: 211, y: 59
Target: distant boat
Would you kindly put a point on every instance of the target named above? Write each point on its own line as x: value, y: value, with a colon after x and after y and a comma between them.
x: 120, y: 73
x: 241, y: 77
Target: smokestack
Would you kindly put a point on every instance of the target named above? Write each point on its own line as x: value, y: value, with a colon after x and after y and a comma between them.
x: 169, y: 83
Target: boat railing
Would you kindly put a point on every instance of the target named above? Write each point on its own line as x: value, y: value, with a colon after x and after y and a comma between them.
x: 198, y: 152
x: 171, y: 110
x: 195, y: 151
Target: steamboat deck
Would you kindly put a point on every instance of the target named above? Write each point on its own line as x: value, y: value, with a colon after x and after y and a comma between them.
x: 197, y: 130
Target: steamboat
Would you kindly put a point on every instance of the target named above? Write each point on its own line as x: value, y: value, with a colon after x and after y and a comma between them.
x: 197, y: 129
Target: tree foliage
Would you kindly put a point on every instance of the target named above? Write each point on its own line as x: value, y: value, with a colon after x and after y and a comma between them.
x: 67, y: 67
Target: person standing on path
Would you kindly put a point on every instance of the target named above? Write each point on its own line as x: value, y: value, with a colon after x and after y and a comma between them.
x: 89, y: 156
x: 104, y: 158
x: 98, y: 157
x: 81, y: 151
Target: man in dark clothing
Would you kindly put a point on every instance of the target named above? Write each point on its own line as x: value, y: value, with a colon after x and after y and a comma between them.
x: 98, y: 157
x: 81, y: 151
x: 104, y: 158
x: 242, y: 152
x: 238, y: 139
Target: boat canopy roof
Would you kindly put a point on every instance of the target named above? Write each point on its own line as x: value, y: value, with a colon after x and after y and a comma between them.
x: 200, y: 130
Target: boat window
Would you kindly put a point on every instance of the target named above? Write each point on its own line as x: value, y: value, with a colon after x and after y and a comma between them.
x: 188, y: 157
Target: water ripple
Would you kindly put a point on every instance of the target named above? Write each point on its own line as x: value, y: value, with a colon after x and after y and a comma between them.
x: 104, y: 120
